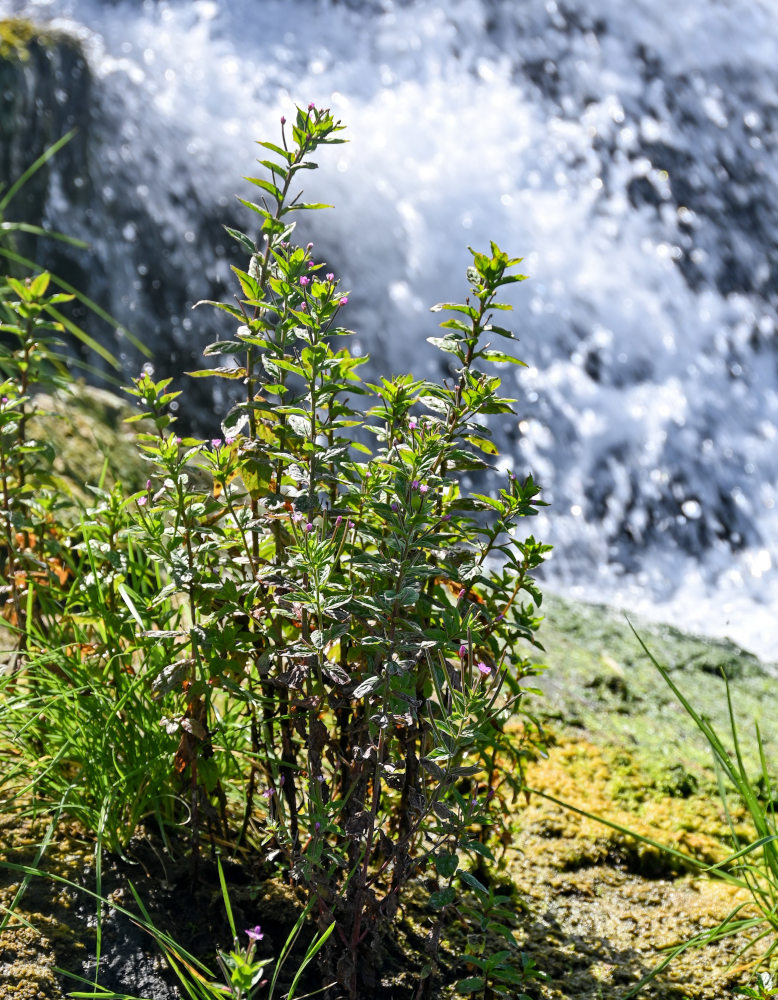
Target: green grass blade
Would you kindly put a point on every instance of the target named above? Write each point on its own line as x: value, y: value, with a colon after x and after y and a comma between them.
x: 45, y: 156
x: 313, y: 949
x: 84, y: 299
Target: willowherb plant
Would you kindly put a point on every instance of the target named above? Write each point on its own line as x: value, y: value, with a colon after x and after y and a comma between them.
x: 345, y: 655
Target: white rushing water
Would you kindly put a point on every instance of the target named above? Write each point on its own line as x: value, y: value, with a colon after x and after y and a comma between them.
x: 627, y: 150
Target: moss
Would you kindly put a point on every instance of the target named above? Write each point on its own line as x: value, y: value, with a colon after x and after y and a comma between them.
x: 601, y: 683
x: 16, y: 36
x: 88, y: 432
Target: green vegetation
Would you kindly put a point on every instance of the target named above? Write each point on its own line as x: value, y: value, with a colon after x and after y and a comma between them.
x: 289, y: 639
x: 285, y: 650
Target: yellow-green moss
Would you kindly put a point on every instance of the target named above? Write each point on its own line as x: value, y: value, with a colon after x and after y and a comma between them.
x: 16, y: 35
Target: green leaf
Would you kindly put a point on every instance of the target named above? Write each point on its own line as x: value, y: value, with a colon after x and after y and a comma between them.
x: 488, y: 447
x: 444, y: 897
x: 305, y: 206
x: 283, y: 153
x: 457, y: 324
x: 266, y: 186
x: 471, y: 984
x: 446, y: 864
x: 478, y: 848
x: 248, y: 244
x: 231, y: 373
x: 499, y: 357
x: 45, y: 156
x: 455, y: 307
x: 365, y: 687
x: 221, y: 305
x: 472, y: 882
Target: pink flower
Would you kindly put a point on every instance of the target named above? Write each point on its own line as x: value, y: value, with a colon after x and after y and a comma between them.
x: 283, y: 119
x: 412, y: 424
x: 484, y: 669
x: 141, y: 501
x: 461, y: 594
x: 423, y: 488
x: 463, y: 650
x: 415, y: 484
x: 303, y: 307
x: 344, y: 300
x: 338, y: 521
x: 311, y: 106
x: 304, y: 280
x: 255, y: 933
x: 309, y: 527
x: 216, y: 443
x: 329, y: 276
x: 268, y: 793
x: 309, y: 246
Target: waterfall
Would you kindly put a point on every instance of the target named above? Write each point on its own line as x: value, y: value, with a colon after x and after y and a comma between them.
x: 627, y: 151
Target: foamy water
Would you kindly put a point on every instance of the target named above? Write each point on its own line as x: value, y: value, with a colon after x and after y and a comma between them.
x: 627, y: 151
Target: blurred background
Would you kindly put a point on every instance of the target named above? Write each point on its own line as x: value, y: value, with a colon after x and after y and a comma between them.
x: 626, y: 151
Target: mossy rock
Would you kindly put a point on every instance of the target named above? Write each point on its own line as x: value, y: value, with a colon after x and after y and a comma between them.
x: 92, y: 443
x: 600, y: 681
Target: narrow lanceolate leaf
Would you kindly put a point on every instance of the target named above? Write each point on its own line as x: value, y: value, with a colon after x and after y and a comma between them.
x: 221, y: 305
x: 283, y: 153
x: 246, y: 242
x: 304, y: 206
x: 266, y: 186
x: 499, y: 357
x: 455, y: 307
x: 224, y: 347
x: 231, y: 373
